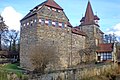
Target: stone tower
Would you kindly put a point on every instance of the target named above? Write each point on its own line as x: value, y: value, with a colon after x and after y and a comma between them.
x: 47, y: 22
x: 89, y: 25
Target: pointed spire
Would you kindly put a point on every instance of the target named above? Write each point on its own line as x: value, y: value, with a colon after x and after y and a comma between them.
x: 89, y: 15
x: 52, y: 3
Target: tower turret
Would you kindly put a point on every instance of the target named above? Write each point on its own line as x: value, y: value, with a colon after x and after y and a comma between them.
x: 89, y: 17
x: 89, y: 24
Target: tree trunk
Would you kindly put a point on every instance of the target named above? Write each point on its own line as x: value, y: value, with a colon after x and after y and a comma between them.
x: 14, y: 45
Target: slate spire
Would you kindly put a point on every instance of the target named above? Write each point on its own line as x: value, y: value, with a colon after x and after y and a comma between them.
x: 89, y: 17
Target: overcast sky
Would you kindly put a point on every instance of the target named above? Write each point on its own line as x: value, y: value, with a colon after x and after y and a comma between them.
x: 107, y: 10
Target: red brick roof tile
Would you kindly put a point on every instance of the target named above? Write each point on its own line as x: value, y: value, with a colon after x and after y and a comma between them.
x: 77, y: 31
x: 50, y: 3
x: 108, y: 47
x: 69, y: 24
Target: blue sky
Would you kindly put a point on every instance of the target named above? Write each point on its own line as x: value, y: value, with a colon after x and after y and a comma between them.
x: 107, y: 10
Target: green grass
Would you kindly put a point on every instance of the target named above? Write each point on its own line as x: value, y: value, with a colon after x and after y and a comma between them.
x: 8, y: 68
x: 11, y: 66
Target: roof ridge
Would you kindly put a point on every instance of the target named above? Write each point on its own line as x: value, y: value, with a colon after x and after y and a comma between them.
x: 52, y: 3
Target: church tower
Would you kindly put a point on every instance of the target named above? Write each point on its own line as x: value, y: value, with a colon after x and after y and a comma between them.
x: 89, y: 25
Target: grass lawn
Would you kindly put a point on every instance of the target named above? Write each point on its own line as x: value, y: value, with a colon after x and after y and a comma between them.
x: 10, y: 68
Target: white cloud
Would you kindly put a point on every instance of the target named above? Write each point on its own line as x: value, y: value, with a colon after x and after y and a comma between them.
x: 12, y: 18
x: 115, y: 29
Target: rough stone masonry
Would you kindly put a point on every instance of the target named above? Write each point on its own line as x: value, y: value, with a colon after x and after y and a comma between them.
x: 48, y: 22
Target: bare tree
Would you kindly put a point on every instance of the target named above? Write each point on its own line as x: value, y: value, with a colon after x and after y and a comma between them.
x: 88, y: 51
x: 3, y: 28
x: 42, y: 55
x: 12, y: 36
x: 110, y: 38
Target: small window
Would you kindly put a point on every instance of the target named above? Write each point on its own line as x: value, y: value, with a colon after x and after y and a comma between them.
x: 28, y: 23
x: 63, y: 24
x: 35, y: 20
x: 42, y: 21
x: 56, y: 24
x: 56, y: 10
x: 23, y: 24
x: 49, y: 22
x: 31, y: 21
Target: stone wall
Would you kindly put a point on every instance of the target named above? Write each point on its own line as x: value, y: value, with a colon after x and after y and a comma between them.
x: 67, y: 43
x: 27, y: 38
x: 94, y: 34
x: 78, y: 73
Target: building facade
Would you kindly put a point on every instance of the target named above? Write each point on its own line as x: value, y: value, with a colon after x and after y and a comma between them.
x: 48, y: 22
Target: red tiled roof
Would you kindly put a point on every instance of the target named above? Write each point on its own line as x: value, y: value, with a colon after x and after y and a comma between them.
x: 52, y: 3
x: 77, y: 31
x: 78, y: 27
x: 69, y: 24
x: 108, y: 47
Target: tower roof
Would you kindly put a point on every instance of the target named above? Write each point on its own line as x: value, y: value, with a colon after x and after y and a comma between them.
x: 89, y: 15
x: 52, y: 3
